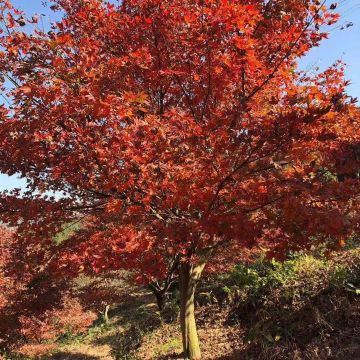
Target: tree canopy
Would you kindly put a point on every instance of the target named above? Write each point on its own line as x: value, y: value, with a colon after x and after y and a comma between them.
x: 178, y: 133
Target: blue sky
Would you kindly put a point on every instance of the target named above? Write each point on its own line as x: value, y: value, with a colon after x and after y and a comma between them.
x: 342, y: 44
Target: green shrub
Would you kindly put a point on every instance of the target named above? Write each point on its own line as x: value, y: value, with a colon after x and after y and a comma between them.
x: 291, y: 303
x: 295, y: 280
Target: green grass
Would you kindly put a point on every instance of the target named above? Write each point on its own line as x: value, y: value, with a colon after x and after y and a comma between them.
x: 67, y: 231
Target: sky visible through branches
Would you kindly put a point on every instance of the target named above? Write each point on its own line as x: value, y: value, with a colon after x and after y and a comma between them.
x: 343, y: 44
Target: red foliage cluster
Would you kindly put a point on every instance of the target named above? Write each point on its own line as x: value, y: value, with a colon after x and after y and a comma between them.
x: 35, y: 309
x: 175, y: 127
x: 5, y: 282
x: 41, y: 333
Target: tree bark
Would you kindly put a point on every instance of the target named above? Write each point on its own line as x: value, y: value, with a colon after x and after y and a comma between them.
x: 106, y: 315
x: 189, y: 276
x: 160, y: 300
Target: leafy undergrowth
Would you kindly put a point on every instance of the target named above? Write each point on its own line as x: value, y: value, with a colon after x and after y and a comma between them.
x: 305, y: 308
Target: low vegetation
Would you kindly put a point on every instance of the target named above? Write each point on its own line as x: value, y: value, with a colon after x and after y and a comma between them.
x: 307, y: 307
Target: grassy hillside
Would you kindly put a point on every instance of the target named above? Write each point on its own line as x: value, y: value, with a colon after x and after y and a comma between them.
x: 305, y: 308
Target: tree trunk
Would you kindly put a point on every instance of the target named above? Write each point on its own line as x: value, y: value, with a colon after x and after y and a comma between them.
x: 106, y: 315
x: 160, y: 300
x: 159, y: 295
x: 189, y: 276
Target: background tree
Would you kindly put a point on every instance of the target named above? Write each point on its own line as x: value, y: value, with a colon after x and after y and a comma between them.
x: 36, y: 307
x: 180, y: 130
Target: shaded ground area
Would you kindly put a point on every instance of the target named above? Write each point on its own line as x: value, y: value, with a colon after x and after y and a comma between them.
x: 83, y: 354
x: 310, y: 317
x: 329, y: 328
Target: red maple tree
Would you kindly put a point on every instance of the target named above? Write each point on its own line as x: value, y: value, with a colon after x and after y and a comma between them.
x: 181, y: 131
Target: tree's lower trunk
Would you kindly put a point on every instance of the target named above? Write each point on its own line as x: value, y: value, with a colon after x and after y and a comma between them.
x: 160, y: 300
x: 189, y: 276
x: 106, y: 314
x: 159, y: 295
x: 190, y: 339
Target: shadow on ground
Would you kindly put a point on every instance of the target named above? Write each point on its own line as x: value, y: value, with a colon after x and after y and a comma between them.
x: 170, y: 357
x: 71, y: 356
